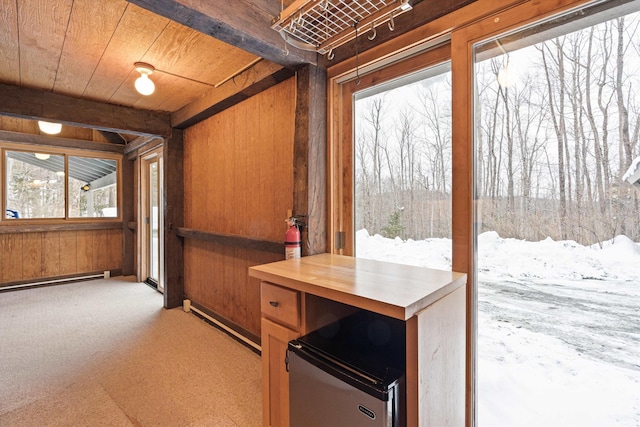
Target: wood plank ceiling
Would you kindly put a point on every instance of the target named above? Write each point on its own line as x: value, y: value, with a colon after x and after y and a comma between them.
x: 87, y: 49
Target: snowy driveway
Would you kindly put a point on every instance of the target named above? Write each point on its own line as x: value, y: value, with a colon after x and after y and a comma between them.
x: 559, y: 353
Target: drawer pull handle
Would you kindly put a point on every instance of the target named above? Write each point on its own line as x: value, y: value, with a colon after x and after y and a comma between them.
x: 274, y: 303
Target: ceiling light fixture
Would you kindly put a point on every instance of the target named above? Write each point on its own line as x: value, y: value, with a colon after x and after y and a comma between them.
x: 50, y: 128
x: 42, y: 156
x: 144, y: 85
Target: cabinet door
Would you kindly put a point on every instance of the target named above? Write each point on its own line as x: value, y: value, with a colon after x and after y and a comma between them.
x: 275, y: 378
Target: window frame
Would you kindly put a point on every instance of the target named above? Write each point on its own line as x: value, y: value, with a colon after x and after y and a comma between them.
x: 341, y: 164
x: 66, y: 153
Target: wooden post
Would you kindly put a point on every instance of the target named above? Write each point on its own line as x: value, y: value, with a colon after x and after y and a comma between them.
x: 128, y: 216
x: 173, y: 154
x: 310, y: 157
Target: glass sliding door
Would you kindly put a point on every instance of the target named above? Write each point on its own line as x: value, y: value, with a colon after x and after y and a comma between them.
x: 153, y: 220
x: 558, y: 225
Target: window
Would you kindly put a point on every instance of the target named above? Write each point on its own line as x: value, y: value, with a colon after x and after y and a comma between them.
x: 402, y: 158
x: 35, y: 185
x: 391, y: 163
x: 558, y: 227
x: 92, y: 187
x: 50, y: 185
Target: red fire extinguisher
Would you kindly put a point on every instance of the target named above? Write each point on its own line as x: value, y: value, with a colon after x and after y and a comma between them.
x: 292, y: 239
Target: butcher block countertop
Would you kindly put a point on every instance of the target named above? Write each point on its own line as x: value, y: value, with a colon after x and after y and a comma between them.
x: 395, y: 290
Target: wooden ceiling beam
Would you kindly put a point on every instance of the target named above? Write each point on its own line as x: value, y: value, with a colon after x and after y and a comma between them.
x: 260, y: 77
x: 49, y: 141
x: 43, y: 105
x: 240, y: 23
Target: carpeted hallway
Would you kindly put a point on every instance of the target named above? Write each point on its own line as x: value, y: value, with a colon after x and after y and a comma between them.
x: 105, y: 353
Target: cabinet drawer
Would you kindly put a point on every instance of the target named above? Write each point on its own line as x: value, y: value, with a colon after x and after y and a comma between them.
x: 280, y: 304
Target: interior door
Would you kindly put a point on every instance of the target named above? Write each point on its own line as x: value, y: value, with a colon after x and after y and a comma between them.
x: 153, y: 221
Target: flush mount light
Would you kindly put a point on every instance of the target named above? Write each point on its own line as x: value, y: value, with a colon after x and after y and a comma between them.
x: 50, y: 128
x: 144, y: 85
x: 42, y: 156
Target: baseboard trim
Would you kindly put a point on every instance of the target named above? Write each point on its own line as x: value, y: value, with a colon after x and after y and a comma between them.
x: 234, y: 331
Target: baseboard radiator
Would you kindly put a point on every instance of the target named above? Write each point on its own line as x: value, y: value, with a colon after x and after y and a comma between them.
x: 104, y: 275
x: 187, y: 307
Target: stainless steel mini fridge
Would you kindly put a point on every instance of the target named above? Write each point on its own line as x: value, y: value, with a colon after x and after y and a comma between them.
x: 349, y: 373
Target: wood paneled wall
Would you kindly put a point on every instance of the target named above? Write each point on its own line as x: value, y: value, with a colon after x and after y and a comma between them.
x: 216, y: 278
x: 49, y: 254
x: 238, y: 170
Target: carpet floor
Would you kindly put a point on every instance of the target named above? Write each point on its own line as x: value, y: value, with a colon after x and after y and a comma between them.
x: 105, y: 353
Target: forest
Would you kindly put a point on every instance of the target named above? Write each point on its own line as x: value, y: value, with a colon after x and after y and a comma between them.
x: 557, y: 127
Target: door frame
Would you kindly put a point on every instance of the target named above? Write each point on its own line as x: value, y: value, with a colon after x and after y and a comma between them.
x: 144, y: 235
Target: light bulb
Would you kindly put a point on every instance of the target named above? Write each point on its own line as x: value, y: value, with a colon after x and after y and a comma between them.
x: 42, y: 156
x: 50, y: 128
x: 144, y: 85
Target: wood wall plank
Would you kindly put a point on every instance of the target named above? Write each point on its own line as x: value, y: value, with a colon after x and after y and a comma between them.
x: 100, y: 250
x: 228, y: 170
x: 266, y: 152
x: 32, y: 255
x: 241, y: 183
x: 114, y: 249
x: 253, y: 169
x: 188, y: 183
x: 51, y: 254
x: 85, y: 250
x: 214, y: 198
x: 11, y: 259
x: 68, y: 253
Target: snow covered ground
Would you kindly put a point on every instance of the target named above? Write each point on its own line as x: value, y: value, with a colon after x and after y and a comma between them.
x: 558, y: 327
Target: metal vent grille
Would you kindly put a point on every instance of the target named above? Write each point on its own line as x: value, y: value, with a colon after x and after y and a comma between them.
x: 323, y: 25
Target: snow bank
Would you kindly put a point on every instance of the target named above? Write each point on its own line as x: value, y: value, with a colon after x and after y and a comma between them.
x: 518, y: 260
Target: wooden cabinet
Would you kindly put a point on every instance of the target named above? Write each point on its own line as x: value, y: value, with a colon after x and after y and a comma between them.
x: 302, y: 295
x: 280, y: 324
